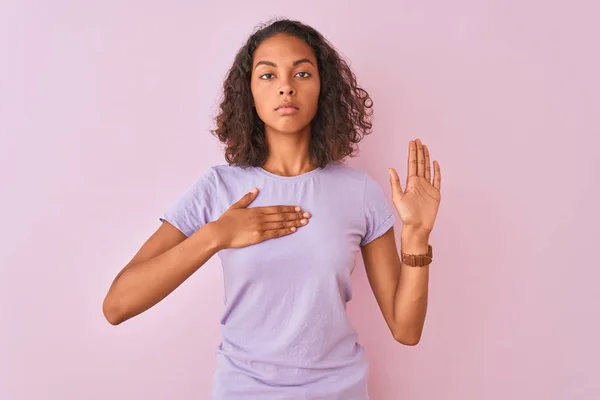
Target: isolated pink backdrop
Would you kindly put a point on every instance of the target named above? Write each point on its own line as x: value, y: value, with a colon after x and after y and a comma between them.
x: 105, y: 109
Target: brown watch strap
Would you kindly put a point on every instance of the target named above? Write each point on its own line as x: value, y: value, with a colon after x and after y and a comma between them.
x: 418, y: 260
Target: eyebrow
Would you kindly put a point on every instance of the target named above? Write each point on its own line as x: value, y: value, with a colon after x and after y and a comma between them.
x: 272, y: 64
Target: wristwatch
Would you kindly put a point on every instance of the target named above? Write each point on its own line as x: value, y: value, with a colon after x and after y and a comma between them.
x: 418, y: 260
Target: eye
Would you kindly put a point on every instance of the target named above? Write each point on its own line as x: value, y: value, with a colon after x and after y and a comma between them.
x: 261, y: 77
x: 302, y: 72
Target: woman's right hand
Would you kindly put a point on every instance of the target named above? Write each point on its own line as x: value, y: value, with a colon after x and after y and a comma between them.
x: 240, y: 226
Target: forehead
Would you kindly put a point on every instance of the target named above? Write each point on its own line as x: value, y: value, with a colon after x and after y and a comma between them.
x: 283, y: 47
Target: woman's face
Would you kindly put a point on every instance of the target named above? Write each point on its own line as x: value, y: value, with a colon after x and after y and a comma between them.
x: 284, y: 70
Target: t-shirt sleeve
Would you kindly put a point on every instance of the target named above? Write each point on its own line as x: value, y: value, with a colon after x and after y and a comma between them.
x: 195, y: 206
x: 378, y: 214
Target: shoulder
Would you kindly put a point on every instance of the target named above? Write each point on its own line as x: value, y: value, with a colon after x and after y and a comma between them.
x: 350, y: 174
x: 224, y: 171
x: 224, y: 174
x: 361, y: 183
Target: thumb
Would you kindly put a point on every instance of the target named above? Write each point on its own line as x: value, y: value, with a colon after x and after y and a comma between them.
x: 395, y: 183
x: 246, y: 199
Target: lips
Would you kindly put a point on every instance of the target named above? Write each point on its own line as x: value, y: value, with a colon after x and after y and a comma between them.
x: 287, y: 105
x: 287, y: 110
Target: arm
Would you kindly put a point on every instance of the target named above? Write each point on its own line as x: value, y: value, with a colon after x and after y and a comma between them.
x: 163, y: 263
x: 168, y: 257
x: 401, y: 291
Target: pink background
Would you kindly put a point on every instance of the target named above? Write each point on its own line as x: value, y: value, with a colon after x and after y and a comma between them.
x: 104, y: 115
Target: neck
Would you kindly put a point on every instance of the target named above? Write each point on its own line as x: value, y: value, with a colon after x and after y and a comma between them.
x: 288, y: 152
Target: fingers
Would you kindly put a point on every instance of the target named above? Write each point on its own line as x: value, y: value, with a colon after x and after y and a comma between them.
x: 412, y: 158
x: 437, y: 176
x: 282, y: 223
x: 275, y: 233
x: 270, y: 230
x: 295, y: 223
x: 284, y: 220
x: 395, y: 182
x: 278, y: 209
x: 420, y: 159
x: 286, y: 216
x: 246, y: 199
x: 427, y: 164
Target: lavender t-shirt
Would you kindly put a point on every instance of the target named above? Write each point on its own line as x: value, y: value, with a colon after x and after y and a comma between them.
x: 285, y: 332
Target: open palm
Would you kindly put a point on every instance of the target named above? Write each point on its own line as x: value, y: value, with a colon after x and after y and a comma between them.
x: 418, y: 204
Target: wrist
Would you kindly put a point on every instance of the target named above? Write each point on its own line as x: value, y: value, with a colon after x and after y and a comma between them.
x: 216, y: 236
x: 414, y: 241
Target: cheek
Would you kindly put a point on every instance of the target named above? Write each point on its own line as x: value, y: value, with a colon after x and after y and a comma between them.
x: 263, y: 114
x: 261, y: 105
x: 316, y: 91
x: 314, y: 97
x: 260, y: 99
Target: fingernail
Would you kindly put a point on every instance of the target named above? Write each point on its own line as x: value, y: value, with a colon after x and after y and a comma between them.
x: 307, y: 215
x: 303, y: 221
x: 297, y: 208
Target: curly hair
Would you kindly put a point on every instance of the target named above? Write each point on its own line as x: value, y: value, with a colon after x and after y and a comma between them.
x: 344, y: 109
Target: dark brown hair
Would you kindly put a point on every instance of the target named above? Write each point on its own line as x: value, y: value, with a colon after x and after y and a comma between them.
x: 344, y: 111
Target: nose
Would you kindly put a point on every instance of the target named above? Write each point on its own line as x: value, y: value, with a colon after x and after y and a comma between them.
x: 287, y: 90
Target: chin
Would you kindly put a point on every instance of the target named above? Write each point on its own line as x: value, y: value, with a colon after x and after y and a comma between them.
x: 290, y: 127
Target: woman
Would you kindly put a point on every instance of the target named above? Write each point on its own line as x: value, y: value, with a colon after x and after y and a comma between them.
x: 291, y: 113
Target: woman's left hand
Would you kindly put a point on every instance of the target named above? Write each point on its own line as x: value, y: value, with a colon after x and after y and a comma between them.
x: 418, y: 204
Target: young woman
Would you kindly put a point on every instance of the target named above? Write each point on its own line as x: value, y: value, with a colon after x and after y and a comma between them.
x: 291, y: 113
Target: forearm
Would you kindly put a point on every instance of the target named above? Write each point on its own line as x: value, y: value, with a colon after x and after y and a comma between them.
x: 142, y: 285
x: 410, y: 299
